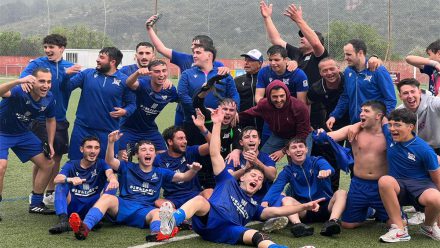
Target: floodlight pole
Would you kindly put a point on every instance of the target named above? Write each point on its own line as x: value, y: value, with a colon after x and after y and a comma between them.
x: 387, y: 54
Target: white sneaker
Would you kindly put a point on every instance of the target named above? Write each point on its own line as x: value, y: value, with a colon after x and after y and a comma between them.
x: 417, y: 219
x: 49, y: 200
x: 167, y: 221
x: 274, y: 224
x: 431, y: 231
x: 410, y: 210
x: 395, y: 235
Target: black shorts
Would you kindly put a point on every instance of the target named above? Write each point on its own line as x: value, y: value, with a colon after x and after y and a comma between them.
x: 410, y: 191
x: 321, y: 216
x: 61, y: 140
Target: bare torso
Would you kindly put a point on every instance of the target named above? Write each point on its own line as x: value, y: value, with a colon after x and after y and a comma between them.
x: 369, y: 150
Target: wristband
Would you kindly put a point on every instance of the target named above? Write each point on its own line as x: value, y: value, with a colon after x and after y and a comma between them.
x: 65, y: 180
x: 205, y: 133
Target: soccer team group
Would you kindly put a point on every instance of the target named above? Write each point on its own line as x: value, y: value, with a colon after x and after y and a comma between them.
x: 216, y: 165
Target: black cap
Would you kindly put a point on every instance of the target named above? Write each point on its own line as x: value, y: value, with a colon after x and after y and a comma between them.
x: 321, y: 38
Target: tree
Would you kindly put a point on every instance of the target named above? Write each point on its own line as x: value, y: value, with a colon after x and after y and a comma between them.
x: 81, y: 36
x: 13, y: 44
x: 342, y: 31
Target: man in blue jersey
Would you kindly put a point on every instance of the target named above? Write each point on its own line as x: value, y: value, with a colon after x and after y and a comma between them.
x: 145, y: 53
x: 361, y: 84
x: 177, y: 158
x: 295, y: 80
x: 223, y: 217
x: 183, y: 60
x: 309, y: 179
x: 139, y: 187
x: 80, y: 183
x: 192, y: 80
x: 413, y: 178
x: 17, y: 110
x: 250, y: 156
x: 151, y: 99
x: 61, y: 70
x: 105, y: 100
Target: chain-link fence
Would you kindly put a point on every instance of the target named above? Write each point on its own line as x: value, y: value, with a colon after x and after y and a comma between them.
x: 235, y: 26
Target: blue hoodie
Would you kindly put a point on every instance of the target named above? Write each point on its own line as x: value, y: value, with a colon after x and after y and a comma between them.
x: 59, y: 77
x: 304, y: 181
x: 363, y: 86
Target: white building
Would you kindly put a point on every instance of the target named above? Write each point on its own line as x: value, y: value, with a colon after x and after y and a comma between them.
x: 87, y: 57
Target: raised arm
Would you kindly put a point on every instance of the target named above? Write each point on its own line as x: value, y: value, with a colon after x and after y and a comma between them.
x: 421, y: 62
x: 218, y: 164
x: 5, y: 88
x: 272, y: 32
x: 132, y: 81
x: 295, y: 14
x: 158, y: 44
x: 110, y: 152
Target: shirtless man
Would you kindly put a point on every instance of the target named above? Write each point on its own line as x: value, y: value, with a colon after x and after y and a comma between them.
x: 369, y: 150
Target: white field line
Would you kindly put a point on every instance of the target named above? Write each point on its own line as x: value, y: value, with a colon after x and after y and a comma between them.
x: 151, y: 244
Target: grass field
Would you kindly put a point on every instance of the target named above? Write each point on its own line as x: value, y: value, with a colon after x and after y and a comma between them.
x: 21, y: 229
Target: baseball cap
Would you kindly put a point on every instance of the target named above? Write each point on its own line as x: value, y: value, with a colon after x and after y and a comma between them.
x: 254, y: 54
x: 321, y: 38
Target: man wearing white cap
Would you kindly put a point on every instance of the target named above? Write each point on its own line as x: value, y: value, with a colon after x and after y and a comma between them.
x: 246, y: 85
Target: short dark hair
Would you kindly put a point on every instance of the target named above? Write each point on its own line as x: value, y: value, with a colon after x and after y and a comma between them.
x: 89, y: 138
x: 276, y: 87
x: 295, y: 140
x: 277, y: 49
x: 154, y: 63
x: 40, y: 69
x: 254, y: 168
x: 407, y: 81
x: 168, y: 133
x: 113, y: 53
x: 145, y: 44
x: 404, y: 115
x: 204, y: 39
x: 55, y: 39
x: 208, y: 48
x: 142, y: 142
x: 434, y: 46
x: 248, y: 129
x: 377, y: 106
x: 358, y: 45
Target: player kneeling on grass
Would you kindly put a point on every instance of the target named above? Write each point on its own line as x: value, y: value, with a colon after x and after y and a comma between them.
x: 413, y: 178
x: 139, y: 187
x: 223, y: 217
x: 17, y: 110
x: 309, y: 178
x: 80, y: 183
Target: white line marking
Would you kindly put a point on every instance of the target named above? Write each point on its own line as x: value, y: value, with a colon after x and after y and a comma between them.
x: 151, y: 244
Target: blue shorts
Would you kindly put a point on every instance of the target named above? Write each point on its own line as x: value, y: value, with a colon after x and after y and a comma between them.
x: 278, y: 202
x: 81, y: 205
x: 79, y: 133
x: 215, y: 228
x: 132, y: 137
x: 362, y: 195
x: 179, y: 201
x: 412, y: 189
x: 131, y: 214
x: 25, y: 145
